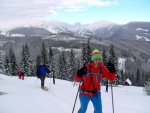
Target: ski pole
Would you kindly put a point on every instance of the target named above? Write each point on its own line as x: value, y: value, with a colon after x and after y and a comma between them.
x: 112, y: 96
x: 50, y: 81
x: 76, y: 97
x: 106, y: 86
x: 36, y: 81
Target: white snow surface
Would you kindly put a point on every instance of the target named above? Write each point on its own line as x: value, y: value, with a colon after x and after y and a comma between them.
x: 146, y: 33
x: 128, y: 80
x: 26, y: 96
x: 142, y: 37
x: 140, y: 29
x: 17, y: 35
x: 61, y: 38
x: 2, y: 33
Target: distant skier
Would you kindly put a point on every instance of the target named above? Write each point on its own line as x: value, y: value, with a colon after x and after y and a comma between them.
x: 41, y: 73
x: 20, y: 74
x: 91, y: 76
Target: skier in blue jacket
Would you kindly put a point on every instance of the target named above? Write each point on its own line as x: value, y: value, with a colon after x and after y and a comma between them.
x: 41, y: 73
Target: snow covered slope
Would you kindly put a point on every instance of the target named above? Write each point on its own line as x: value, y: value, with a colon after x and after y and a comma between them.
x: 26, y: 96
x: 41, y: 28
x: 100, y: 28
x: 133, y: 31
x: 51, y: 27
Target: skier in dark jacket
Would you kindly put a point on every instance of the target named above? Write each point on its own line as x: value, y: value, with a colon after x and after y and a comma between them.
x: 41, y: 73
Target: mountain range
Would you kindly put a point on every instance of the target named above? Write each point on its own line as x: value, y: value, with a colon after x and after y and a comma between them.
x: 131, y: 41
x: 102, y: 29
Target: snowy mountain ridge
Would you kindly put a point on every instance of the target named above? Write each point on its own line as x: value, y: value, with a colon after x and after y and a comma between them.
x: 100, y: 24
x: 102, y: 29
x: 38, y: 28
x: 51, y: 27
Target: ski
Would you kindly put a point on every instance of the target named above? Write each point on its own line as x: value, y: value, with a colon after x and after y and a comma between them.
x: 45, y: 89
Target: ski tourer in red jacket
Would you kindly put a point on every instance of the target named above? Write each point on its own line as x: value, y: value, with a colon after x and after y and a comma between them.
x: 20, y: 74
x: 91, y: 76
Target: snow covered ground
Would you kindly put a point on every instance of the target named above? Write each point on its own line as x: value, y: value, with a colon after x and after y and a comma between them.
x: 26, y: 96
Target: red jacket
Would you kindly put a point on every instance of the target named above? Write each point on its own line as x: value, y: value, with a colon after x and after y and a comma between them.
x: 19, y: 73
x: 105, y: 73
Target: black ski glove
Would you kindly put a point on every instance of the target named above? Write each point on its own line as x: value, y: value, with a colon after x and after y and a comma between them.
x: 111, y: 67
x: 81, y: 72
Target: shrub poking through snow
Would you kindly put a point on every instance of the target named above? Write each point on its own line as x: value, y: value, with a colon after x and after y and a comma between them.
x: 147, y: 88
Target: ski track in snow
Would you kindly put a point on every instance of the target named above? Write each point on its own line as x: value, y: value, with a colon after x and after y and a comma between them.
x: 26, y: 96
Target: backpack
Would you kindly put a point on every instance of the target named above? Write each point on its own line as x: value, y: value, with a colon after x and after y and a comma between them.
x: 91, y: 81
x: 19, y: 73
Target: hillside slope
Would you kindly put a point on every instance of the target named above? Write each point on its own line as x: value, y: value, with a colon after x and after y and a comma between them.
x: 27, y: 97
x: 133, y: 31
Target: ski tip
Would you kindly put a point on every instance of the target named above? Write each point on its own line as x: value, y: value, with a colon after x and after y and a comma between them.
x: 45, y: 89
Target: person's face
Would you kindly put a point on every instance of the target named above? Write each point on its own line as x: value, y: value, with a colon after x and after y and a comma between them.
x: 97, y: 61
x: 41, y: 63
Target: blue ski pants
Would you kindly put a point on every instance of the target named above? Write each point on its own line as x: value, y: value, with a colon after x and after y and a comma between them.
x: 96, y: 100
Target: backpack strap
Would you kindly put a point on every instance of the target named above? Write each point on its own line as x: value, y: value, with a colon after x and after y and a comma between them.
x: 91, y: 79
x: 101, y: 73
x: 88, y: 74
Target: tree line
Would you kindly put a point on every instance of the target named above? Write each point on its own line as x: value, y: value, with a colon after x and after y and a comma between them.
x: 64, y: 64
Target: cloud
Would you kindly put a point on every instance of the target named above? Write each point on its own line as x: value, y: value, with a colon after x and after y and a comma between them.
x: 77, y: 5
x: 37, y: 8
x: 88, y: 2
x: 11, y: 9
x: 20, y: 9
x: 75, y: 8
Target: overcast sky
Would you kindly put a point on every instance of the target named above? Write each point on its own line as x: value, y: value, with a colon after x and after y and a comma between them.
x: 14, y: 12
